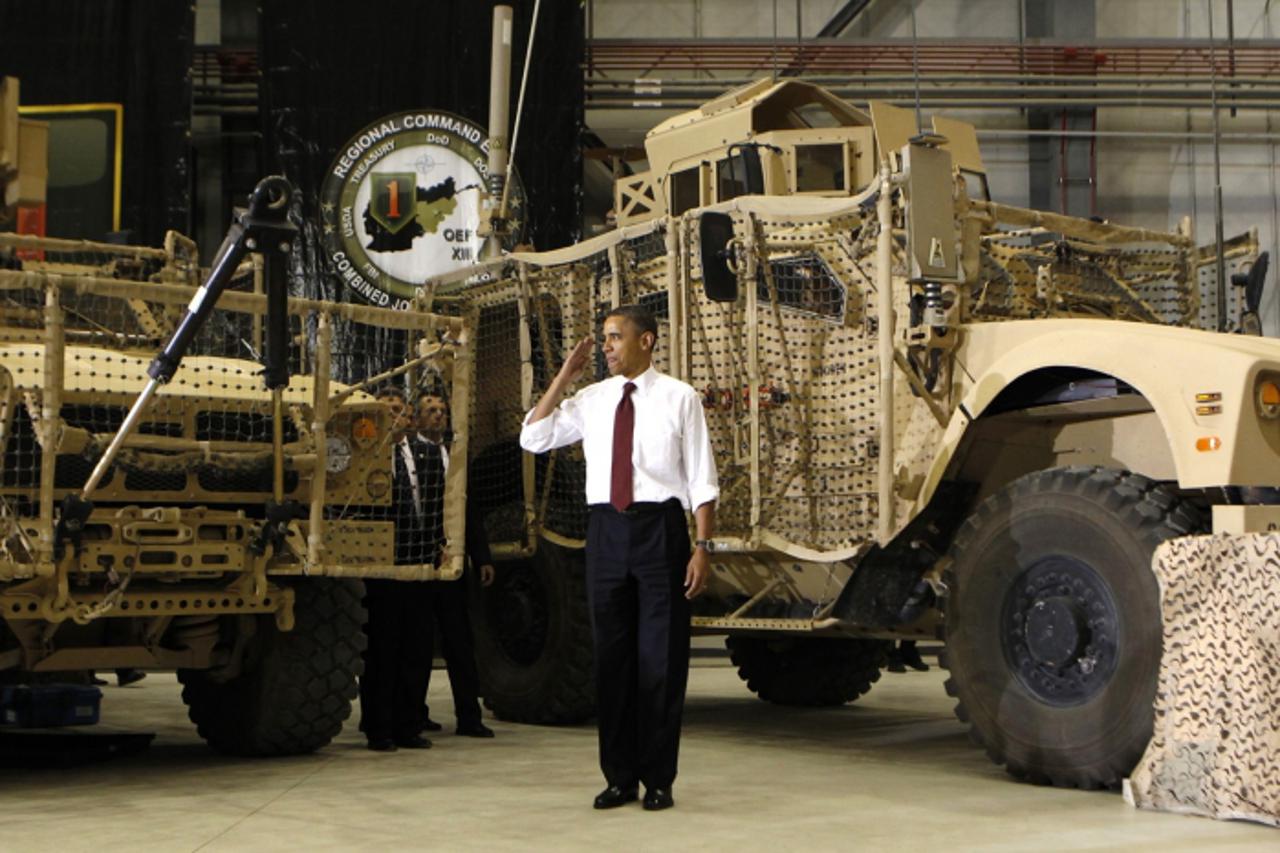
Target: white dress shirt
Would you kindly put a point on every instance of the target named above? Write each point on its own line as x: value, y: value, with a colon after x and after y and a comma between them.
x: 411, y: 466
x: 670, y: 450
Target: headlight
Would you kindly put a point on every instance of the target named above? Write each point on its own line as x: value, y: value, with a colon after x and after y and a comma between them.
x: 337, y: 455
x: 1269, y: 399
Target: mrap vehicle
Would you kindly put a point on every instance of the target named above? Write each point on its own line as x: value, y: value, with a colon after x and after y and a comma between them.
x: 933, y: 415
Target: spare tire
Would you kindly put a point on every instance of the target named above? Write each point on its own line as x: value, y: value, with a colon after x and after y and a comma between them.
x: 810, y: 671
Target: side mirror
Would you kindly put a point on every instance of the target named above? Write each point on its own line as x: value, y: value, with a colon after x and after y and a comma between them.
x: 1253, y: 282
x: 719, y: 281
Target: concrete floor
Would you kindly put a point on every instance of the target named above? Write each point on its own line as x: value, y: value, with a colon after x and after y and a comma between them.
x: 893, y: 771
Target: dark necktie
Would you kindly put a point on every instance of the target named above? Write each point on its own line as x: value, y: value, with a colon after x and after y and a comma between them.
x: 624, y: 427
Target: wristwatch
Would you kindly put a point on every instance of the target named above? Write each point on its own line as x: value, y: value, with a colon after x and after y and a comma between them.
x: 707, y: 545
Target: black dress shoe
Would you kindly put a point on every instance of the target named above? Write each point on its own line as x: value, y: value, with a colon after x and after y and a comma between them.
x: 382, y: 744
x: 430, y: 725
x: 911, y: 657
x: 614, y: 796
x: 657, y: 799
x: 413, y: 742
x: 129, y: 676
x: 476, y: 729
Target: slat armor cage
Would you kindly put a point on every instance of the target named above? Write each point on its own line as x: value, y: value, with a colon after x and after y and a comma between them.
x: 175, y: 513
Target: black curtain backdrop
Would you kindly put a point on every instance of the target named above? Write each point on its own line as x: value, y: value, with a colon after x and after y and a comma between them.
x: 330, y: 68
x: 132, y: 52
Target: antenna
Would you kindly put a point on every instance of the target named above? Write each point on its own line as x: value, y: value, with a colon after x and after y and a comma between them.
x: 915, y: 66
x: 1217, y: 177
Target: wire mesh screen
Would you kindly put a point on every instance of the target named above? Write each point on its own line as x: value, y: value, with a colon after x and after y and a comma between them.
x: 803, y: 466
x: 187, y: 493
x: 1030, y: 274
x: 524, y: 330
x: 815, y: 381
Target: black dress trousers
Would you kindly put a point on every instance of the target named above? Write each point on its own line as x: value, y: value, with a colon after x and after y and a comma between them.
x: 448, y: 604
x: 636, y: 563
x: 397, y: 659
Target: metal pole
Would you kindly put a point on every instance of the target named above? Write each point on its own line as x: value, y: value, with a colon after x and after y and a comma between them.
x: 126, y: 429
x: 277, y: 443
x: 499, y: 117
x: 884, y: 313
x: 319, y: 429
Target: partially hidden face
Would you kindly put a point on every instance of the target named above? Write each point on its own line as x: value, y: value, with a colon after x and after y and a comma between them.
x: 433, y: 414
x: 399, y: 412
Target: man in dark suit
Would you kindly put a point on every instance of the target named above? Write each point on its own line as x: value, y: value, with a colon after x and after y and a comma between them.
x: 448, y: 599
x: 398, y: 656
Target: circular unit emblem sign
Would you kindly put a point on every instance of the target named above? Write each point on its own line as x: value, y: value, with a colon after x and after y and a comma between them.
x: 401, y: 203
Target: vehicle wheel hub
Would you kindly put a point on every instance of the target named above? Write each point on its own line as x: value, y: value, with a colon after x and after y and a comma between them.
x: 1055, y: 631
x: 1060, y: 630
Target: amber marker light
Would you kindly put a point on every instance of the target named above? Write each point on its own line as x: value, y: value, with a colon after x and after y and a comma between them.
x: 1269, y: 399
x: 364, y: 431
x: 1207, y: 443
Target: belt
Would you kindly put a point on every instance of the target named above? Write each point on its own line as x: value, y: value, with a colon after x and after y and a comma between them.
x: 640, y: 507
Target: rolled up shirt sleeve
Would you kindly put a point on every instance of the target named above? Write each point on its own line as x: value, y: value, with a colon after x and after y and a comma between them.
x: 702, y: 480
x: 563, y: 426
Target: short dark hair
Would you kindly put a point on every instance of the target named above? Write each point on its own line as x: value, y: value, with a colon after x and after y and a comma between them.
x: 437, y: 394
x: 392, y: 391
x: 642, y: 317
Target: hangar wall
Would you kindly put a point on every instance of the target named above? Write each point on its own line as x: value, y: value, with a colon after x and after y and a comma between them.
x: 1152, y: 165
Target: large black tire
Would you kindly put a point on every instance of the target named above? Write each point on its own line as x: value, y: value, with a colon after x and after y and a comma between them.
x: 1053, y: 622
x: 533, y: 639
x: 296, y: 687
x: 808, y: 671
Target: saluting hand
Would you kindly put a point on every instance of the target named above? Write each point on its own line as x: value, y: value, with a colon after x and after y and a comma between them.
x: 695, y: 577
x: 577, y: 361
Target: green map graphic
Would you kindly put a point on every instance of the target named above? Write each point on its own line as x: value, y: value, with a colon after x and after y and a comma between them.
x: 432, y: 205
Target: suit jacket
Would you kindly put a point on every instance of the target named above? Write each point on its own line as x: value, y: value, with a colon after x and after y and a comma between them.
x: 477, y: 539
x: 420, y: 528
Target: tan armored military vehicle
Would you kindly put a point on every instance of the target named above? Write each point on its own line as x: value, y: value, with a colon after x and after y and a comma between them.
x: 196, y: 520
x: 934, y: 415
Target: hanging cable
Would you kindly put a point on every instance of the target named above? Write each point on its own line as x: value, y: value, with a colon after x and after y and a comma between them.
x: 524, y: 79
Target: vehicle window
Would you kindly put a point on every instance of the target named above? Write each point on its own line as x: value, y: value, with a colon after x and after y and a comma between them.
x: 685, y: 190
x: 731, y: 178
x: 804, y: 283
x: 820, y: 167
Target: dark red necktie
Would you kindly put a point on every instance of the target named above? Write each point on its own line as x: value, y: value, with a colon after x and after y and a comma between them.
x: 624, y: 427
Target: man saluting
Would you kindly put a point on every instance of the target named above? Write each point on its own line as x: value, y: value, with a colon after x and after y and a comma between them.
x: 649, y: 460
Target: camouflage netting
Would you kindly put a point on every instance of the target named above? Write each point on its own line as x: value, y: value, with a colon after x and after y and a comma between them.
x: 805, y: 471
x: 1217, y: 712
x: 203, y: 446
